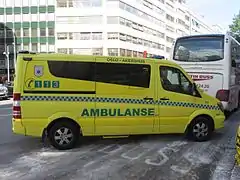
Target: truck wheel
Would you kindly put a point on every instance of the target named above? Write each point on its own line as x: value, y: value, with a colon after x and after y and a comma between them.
x: 64, y: 135
x: 200, y: 129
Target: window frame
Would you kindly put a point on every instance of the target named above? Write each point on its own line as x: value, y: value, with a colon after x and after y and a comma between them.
x: 179, y: 79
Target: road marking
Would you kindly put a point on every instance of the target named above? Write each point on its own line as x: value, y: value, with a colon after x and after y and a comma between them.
x: 110, y: 148
x: 163, y: 154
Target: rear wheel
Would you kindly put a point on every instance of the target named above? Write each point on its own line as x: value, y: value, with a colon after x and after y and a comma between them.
x: 64, y: 135
x: 200, y: 129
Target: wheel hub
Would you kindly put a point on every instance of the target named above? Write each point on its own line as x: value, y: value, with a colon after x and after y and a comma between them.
x: 63, y: 136
x: 200, y: 130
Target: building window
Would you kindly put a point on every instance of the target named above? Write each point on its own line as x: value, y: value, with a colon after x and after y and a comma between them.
x: 62, y: 50
x: 97, y: 51
x: 134, y: 53
x: 25, y: 32
x: 112, y: 35
x: 122, y: 37
x: 96, y: 3
x: 75, y: 36
x: 140, y: 41
x: 168, y: 49
x: 170, y: 18
x: 70, y: 51
x: 123, y: 52
x: 97, y: 36
x: 129, y: 53
x: 170, y: 29
x: 160, y: 46
x: 43, y: 32
x: 70, y: 35
x: 51, y: 32
x: 34, y: 47
x: 43, y: 47
x: 34, y: 32
x: 129, y: 38
x: 19, y: 47
x: 169, y: 39
x: 128, y: 23
x: 140, y: 54
x: 112, y: 20
x: 61, y: 3
x: 18, y: 32
x: 122, y: 21
x: 51, y: 48
x: 26, y: 47
x: 134, y: 40
x: 62, y: 36
x: 85, y: 35
x: 112, y: 51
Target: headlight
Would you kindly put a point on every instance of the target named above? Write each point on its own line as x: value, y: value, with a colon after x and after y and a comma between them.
x: 220, y: 105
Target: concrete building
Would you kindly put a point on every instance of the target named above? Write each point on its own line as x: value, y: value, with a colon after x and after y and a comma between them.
x: 100, y: 27
x: 126, y: 27
x: 33, y: 22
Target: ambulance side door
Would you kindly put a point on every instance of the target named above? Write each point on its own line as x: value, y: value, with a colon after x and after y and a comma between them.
x: 176, y: 103
x: 125, y: 98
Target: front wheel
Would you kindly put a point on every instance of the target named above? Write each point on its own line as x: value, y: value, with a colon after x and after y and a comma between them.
x: 64, y: 135
x: 200, y: 129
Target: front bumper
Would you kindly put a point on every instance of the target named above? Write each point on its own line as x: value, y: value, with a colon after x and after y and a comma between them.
x: 17, y: 127
x: 219, y: 121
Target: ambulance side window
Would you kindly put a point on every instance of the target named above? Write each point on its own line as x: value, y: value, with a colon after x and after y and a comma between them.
x: 72, y: 70
x: 172, y: 79
x: 137, y: 75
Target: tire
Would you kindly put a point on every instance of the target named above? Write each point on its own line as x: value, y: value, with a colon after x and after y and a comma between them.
x: 64, y: 135
x: 200, y: 129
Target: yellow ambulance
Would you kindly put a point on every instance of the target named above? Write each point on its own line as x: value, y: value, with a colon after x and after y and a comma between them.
x: 67, y: 96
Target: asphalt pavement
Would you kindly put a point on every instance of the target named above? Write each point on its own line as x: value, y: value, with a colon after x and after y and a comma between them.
x: 158, y: 157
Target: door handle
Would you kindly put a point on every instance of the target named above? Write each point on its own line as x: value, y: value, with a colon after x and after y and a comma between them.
x: 164, y: 99
x: 147, y: 98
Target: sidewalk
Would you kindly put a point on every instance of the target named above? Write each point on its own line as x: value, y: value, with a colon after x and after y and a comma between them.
x: 5, y: 102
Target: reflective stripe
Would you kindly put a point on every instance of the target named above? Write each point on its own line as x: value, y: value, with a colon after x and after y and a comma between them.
x: 117, y: 100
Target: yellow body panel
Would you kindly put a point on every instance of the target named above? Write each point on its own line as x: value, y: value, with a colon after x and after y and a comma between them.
x: 104, y: 108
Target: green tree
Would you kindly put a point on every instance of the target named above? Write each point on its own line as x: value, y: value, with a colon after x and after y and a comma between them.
x: 235, y: 26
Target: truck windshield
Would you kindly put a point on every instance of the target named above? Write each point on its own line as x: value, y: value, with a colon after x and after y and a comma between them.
x: 199, y: 48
